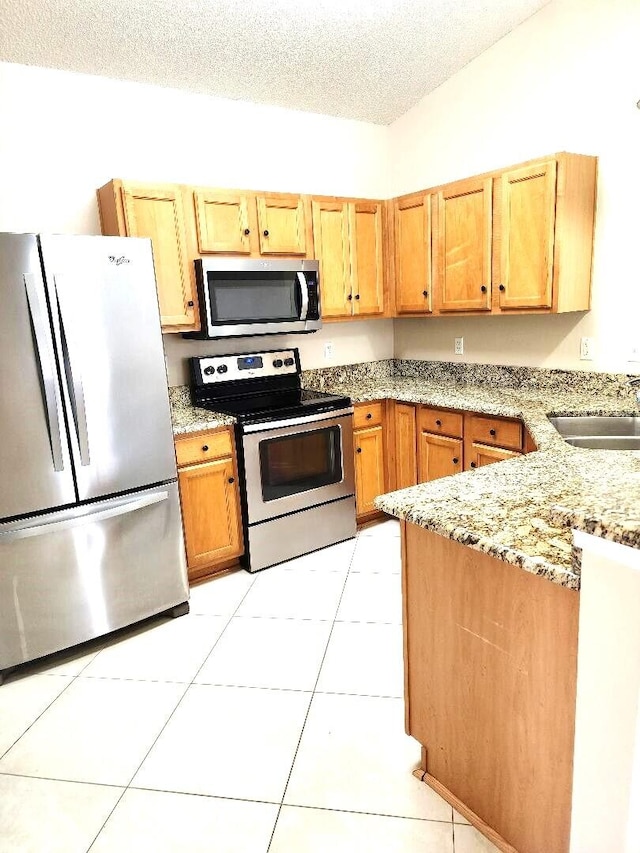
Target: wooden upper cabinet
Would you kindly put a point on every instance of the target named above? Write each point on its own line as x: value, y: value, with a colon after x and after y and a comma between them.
x: 527, y: 220
x: 331, y: 240
x: 463, y: 237
x: 412, y: 215
x: 281, y: 220
x: 156, y: 211
x: 365, y: 240
x: 222, y: 222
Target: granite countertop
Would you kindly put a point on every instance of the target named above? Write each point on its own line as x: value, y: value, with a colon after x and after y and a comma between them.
x: 187, y: 418
x: 520, y: 510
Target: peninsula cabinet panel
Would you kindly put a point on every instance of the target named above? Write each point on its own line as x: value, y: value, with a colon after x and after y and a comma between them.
x: 477, y: 455
x: 156, y: 211
x: 368, y: 447
x: 331, y: 240
x: 490, y: 675
x: 282, y: 224
x: 438, y: 456
x: 406, y: 462
x: 412, y: 216
x: 211, y: 512
x: 367, y: 264
x: 463, y: 235
x: 222, y: 222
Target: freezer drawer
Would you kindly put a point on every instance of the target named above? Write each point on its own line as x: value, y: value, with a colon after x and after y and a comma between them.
x: 69, y: 576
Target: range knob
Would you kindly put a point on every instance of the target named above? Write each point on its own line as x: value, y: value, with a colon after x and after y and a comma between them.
x: 288, y: 362
x: 209, y: 370
x: 222, y: 368
x: 277, y: 362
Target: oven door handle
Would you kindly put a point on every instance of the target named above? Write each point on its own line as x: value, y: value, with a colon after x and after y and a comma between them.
x: 267, y: 426
x: 304, y: 293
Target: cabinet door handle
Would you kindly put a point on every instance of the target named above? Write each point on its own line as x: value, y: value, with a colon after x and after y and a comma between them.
x: 455, y: 460
x: 473, y: 465
x: 266, y: 233
x: 190, y: 303
x: 492, y: 432
x: 438, y: 422
x: 358, y: 450
x: 231, y: 480
x: 205, y: 447
x: 369, y: 416
x: 350, y: 297
x: 483, y: 288
x: 425, y: 292
x: 502, y: 288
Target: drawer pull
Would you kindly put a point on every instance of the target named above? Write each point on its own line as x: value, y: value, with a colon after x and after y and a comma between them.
x: 205, y: 447
x: 247, y: 231
x: 358, y: 450
x: 473, y: 465
x: 266, y: 233
x: 455, y: 460
x: 492, y: 432
x: 438, y: 422
x: 231, y: 480
x: 190, y: 303
x: 425, y: 292
x: 369, y: 416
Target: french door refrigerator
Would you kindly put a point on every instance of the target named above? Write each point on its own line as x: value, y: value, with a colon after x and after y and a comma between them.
x: 90, y: 524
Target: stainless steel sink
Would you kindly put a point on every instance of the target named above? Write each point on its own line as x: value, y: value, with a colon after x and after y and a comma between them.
x: 600, y: 432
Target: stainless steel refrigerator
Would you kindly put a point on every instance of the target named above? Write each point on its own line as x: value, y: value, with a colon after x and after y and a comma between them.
x: 90, y: 525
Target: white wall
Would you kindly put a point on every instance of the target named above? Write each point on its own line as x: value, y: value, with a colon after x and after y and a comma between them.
x: 566, y: 80
x: 63, y: 135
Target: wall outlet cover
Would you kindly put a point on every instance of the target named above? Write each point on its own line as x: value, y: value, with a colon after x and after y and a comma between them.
x: 586, y: 349
x: 634, y: 352
x: 458, y: 346
x: 328, y: 350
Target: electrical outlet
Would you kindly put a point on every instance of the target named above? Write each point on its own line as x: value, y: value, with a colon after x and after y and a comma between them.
x: 328, y: 350
x: 458, y: 346
x: 586, y: 349
x: 634, y: 352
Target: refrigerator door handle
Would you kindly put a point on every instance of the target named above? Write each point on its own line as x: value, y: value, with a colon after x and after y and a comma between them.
x: 124, y: 506
x: 44, y: 348
x: 75, y: 374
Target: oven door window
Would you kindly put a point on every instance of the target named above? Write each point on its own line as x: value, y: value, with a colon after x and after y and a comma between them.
x: 263, y: 297
x: 300, y: 462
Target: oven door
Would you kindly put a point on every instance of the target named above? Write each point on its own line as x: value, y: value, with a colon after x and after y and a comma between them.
x: 298, y: 463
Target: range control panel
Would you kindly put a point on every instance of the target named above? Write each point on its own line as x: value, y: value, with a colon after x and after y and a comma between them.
x: 211, y: 369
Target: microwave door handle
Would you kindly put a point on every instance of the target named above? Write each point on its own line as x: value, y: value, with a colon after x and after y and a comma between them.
x: 304, y: 291
x: 44, y: 351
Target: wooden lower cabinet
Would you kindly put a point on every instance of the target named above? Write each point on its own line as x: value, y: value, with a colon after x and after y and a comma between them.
x: 405, y: 445
x: 477, y: 455
x: 369, y: 454
x: 210, y: 501
x: 490, y: 689
x: 438, y: 456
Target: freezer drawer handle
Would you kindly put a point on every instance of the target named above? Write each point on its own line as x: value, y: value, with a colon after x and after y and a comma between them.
x: 77, y: 389
x: 45, y: 358
x: 122, y: 508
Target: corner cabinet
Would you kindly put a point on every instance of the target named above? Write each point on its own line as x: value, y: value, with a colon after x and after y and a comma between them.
x: 210, y: 499
x: 348, y: 239
x: 156, y: 211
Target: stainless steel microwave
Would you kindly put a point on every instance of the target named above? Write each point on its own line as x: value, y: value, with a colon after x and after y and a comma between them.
x: 240, y: 297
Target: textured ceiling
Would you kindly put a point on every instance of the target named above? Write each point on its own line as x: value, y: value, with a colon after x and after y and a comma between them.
x: 361, y: 59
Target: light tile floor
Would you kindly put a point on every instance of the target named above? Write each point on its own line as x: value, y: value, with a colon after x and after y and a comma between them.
x: 268, y: 719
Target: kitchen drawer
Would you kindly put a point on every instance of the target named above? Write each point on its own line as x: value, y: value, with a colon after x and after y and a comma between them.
x: 367, y: 415
x: 495, y: 431
x: 440, y: 422
x: 203, y: 447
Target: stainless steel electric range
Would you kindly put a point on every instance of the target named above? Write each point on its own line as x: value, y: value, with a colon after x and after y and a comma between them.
x: 295, y: 449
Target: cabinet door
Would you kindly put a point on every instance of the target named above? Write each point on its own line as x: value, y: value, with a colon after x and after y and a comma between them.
x: 463, y: 246
x: 481, y: 454
x: 369, y: 465
x: 282, y: 225
x: 210, y: 512
x: 405, y: 446
x: 527, y: 229
x: 157, y: 212
x: 365, y: 232
x: 331, y: 241
x: 438, y: 456
x: 222, y: 222
x: 413, y: 254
